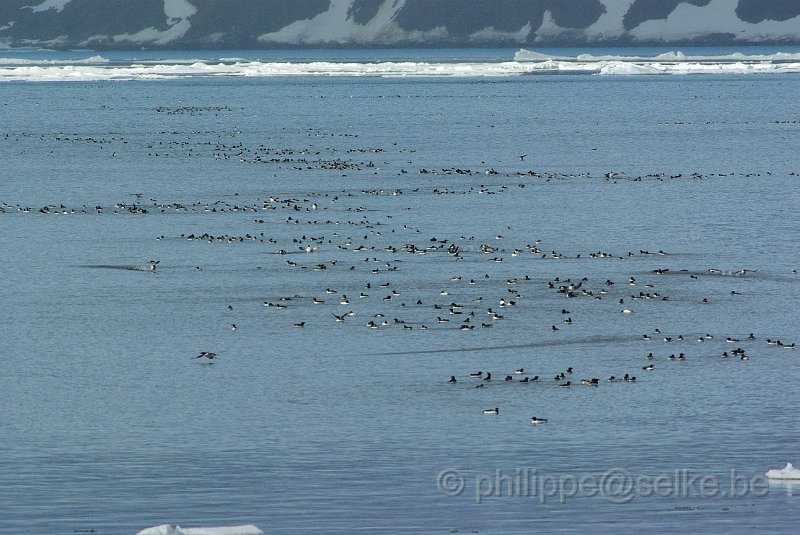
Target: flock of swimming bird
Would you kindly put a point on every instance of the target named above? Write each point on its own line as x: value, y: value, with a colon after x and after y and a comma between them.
x: 341, y: 231
x: 483, y: 301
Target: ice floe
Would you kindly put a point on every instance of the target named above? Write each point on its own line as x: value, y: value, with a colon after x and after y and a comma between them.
x: 166, y: 529
x: 524, y: 63
x: 788, y: 472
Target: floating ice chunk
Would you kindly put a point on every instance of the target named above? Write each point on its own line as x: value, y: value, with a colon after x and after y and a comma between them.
x: 789, y: 472
x: 166, y: 529
x: 671, y: 56
x: 620, y: 68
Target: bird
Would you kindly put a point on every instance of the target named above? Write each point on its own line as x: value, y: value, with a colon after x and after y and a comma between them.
x: 649, y: 367
x: 491, y: 411
x: 535, y: 420
x: 476, y: 375
x: 452, y: 380
x: 206, y: 354
x: 342, y: 317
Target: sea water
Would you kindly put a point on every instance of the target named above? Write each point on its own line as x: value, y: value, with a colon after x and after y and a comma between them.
x: 109, y: 423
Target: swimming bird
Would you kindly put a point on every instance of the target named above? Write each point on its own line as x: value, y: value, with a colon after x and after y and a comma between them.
x: 206, y: 354
x: 535, y: 420
x: 520, y: 371
x: 491, y: 411
x: 476, y: 375
x: 649, y: 367
x: 452, y: 380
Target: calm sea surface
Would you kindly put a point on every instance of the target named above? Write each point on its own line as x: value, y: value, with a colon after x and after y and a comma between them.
x: 109, y: 424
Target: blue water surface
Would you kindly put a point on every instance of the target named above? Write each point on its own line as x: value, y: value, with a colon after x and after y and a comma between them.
x: 110, y: 424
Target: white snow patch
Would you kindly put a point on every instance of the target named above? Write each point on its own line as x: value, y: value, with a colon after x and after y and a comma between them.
x: 330, y: 26
x: 788, y: 472
x: 548, y: 28
x: 719, y: 16
x: 334, y: 26
x: 609, y: 25
x: 166, y: 529
x: 177, y: 12
x: 490, y: 34
x: 154, y: 36
x: 58, y: 5
x: 178, y: 9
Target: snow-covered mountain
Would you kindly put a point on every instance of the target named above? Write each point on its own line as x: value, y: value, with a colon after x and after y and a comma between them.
x: 101, y: 24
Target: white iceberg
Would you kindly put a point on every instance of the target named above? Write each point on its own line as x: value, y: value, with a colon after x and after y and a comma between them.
x: 789, y: 472
x: 166, y: 529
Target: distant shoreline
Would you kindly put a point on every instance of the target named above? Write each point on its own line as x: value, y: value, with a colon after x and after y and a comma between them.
x: 557, y: 43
